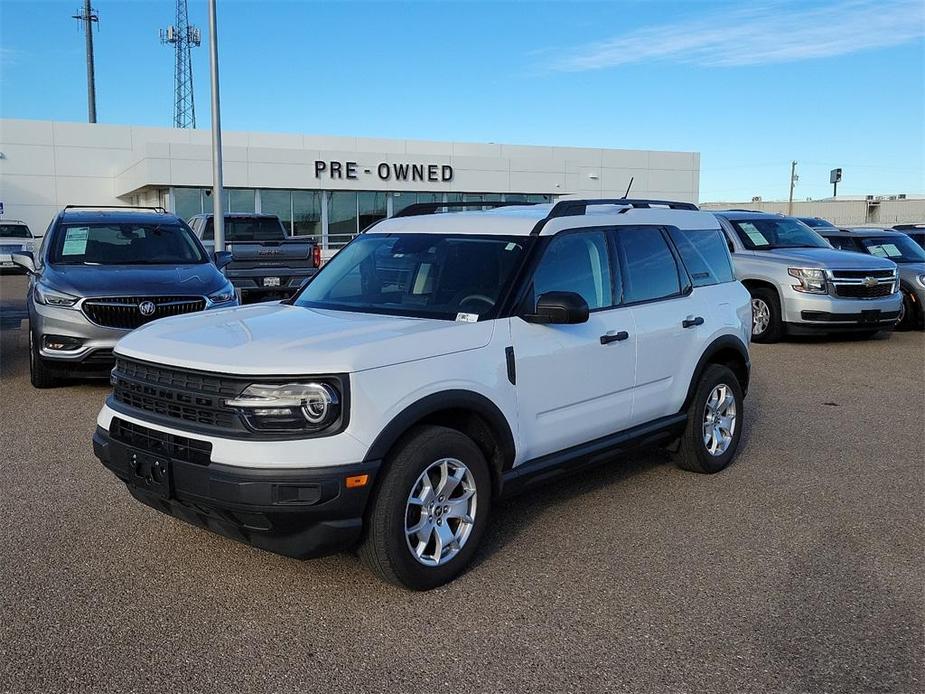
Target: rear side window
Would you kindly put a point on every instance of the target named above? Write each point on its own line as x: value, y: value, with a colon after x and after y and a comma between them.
x: 647, y: 264
x: 704, y: 254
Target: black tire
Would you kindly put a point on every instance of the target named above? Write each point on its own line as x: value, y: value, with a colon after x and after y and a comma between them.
x: 385, y: 548
x: 908, y: 313
x: 692, y: 453
x: 40, y: 374
x: 775, y: 327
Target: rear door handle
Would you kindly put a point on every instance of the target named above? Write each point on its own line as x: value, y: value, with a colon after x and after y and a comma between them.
x: 614, y: 337
x: 691, y: 322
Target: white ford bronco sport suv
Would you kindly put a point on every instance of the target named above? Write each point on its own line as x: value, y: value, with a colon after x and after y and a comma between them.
x: 435, y: 363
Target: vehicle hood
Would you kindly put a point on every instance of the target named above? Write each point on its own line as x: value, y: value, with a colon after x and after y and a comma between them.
x: 829, y: 258
x: 279, y: 339
x: 134, y: 280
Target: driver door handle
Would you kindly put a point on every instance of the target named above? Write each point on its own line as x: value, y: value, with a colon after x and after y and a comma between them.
x: 690, y: 322
x: 614, y: 337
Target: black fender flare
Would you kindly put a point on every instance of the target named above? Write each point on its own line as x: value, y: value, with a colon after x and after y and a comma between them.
x: 444, y: 400
x: 720, y: 344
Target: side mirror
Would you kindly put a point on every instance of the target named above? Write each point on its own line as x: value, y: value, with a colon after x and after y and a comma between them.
x: 25, y: 260
x: 222, y: 258
x: 559, y: 308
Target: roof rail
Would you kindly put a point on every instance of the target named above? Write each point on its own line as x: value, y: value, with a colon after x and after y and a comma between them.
x: 421, y: 208
x: 571, y: 208
x: 158, y: 208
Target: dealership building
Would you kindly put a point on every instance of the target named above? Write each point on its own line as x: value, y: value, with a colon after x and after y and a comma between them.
x: 327, y: 187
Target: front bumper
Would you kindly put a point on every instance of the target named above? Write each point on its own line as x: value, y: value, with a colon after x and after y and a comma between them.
x: 826, y: 313
x: 299, y: 513
x: 98, y: 341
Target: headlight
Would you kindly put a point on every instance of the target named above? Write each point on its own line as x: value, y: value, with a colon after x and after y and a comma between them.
x: 812, y: 280
x: 289, y: 407
x: 223, y: 295
x: 51, y: 297
x: 921, y: 280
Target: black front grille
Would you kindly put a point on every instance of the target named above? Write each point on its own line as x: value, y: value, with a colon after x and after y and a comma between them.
x: 177, y: 394
x: 160, y: 443
x: 126, y: 311
x: 859, y: 291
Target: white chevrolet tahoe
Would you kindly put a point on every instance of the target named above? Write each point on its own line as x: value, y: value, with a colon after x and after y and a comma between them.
x: 436, y: 363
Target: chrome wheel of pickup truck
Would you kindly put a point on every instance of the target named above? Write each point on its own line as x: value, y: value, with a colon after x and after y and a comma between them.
x: 440, y: 512
x: 719, y: 420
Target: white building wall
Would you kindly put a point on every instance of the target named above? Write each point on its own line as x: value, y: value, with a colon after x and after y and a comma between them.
x: 847, y: 212
x: 46, y: 165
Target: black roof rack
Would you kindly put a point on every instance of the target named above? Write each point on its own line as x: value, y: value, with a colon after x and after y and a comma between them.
x: 421, y: 208
x: 571, y: 208
x: 115, y: 207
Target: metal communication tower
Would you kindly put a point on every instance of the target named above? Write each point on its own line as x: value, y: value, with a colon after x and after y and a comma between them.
x: 86, y: 15
x: 183, y: 36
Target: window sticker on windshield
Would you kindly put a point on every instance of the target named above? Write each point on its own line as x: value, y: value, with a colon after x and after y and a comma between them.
x: 75, y: 241
x: 510, y: 247
x: 891, y: 250
x: 467, y: 317
x: 752, y: 232
x: 879, y: 251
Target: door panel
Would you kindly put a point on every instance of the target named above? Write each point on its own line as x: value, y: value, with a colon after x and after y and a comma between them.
x: 570, y: 387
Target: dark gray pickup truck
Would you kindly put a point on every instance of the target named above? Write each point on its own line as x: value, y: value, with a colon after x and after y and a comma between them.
x: 266, y: 263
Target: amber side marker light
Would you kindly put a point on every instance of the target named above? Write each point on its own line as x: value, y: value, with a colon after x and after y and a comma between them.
x: 356, y: 481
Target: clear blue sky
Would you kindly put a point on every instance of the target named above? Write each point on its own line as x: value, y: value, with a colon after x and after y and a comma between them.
x: 750, y: 86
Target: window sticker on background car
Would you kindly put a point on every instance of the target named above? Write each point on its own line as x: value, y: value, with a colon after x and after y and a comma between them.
x: 467, y: 317
x: 886, y: 250
x: 756, y: 236
x: 75, y: 241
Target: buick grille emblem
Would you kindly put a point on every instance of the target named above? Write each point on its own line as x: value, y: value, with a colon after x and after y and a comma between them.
x: 147, y: 308
x: 870, y: 282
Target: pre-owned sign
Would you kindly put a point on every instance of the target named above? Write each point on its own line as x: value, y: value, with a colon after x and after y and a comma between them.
x: 385, y: 171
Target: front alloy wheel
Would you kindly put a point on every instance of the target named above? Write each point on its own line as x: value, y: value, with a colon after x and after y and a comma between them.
x: 761, y: 316
x: 429, y: 510
x: 440, y: 512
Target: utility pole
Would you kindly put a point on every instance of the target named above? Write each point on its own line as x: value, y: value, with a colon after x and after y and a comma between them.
x: 87, y: 15
x: 793, y: 181
x: 183, y: 36
x: 218, y: 214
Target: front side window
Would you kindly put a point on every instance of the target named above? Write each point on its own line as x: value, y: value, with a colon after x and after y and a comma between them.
x: 576, y: 262
x: 899, y: 249
x: 648, y: 265
x: 420, y: 275
x: 125, y: 244
x: 704, y: 254
x: 14, y: 231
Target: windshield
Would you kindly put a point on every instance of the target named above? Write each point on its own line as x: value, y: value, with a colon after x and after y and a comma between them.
x: 14, y: 231
x: 782, y: 232
x: 242, y: 229
x: 452, y: 277
x: 109, y: 243
x: 816, y: 223
x: 899, y: 249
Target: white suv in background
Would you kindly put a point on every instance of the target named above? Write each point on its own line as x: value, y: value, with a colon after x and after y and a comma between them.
x: 434, y: 364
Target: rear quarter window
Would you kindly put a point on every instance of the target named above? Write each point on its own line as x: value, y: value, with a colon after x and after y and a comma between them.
x: 705, y: 255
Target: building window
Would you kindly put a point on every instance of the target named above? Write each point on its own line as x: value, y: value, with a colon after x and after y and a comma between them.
x: 187, y: 202
x: 371, y: 207
x: 306, y: 213
x: 240, y: 200
x: 342, y: 218
x: 278, y: 202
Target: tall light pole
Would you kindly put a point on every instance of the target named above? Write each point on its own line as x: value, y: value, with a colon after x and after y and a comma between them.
x: 87, y: 15
x: 793, y: 181
x: 218, y: 213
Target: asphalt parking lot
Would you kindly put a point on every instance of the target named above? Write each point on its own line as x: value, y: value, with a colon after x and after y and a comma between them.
x: 798, y: 568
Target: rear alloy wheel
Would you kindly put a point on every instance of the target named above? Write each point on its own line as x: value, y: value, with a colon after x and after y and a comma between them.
x: 714, y: 422
x: 766, y: 316
x: 430, y: 509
